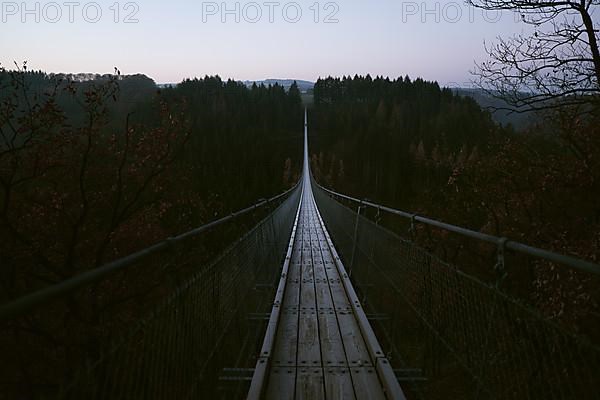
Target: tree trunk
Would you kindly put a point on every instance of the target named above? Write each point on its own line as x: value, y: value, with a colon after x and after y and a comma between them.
x: 589, y: 27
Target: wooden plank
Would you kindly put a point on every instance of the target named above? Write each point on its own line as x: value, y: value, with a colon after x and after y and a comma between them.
x: 320, y: 272
x: 295, y: 269
x: 286, y: 343
x: 332, y: 347
x: 308, y: 297
x: 297, y: 255
x: 306, y: 254
x: 309, y: 348
x: 292, y: 295
x: 338, y: 384
x: 354, y: 344
x: 338, y: 293
x: 310, y: 384
x: 282, y: 384
x: 323, y: 294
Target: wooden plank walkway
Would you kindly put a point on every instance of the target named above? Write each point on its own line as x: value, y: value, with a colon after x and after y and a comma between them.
x: 319, y: 344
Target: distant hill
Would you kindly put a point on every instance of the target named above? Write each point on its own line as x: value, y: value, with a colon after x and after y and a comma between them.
x: 485, y: 101
x: 519, y: 121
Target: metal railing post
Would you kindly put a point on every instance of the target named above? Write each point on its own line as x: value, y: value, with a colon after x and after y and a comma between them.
x: 355, y: 239
x: 500, y: 266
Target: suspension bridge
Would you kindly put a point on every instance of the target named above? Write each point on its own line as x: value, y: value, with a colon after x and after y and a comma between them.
x: 319, y: 300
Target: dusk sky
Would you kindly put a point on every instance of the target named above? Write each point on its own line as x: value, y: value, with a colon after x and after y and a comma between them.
x: 173, y: 40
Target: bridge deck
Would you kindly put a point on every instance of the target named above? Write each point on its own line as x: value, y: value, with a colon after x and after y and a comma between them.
x: 319, y: 344
x: 319, y: 352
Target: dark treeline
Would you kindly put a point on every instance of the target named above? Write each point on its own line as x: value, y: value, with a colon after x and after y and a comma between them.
x: 414, y: 146
x: 372, y: 133
x: 248, y: 137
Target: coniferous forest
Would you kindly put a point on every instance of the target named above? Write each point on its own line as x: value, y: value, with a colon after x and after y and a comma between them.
x: 419, y: 148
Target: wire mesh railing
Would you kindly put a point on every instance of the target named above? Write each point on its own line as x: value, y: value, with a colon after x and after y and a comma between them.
x: 453, y: 334
x: 163, y: 323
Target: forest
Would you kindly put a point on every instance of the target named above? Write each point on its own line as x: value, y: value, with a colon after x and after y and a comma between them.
x: 426, y: 150
x: 93, y: 170
x: 114, y: 164
x: 414, y: 146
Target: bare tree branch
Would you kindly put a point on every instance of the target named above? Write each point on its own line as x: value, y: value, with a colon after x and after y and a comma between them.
x: 555, y: 66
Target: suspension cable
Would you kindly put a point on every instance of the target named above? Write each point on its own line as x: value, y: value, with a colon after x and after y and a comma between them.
x: 518, y: 247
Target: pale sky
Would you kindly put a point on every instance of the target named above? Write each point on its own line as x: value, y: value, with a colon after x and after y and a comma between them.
x: 178, y: 39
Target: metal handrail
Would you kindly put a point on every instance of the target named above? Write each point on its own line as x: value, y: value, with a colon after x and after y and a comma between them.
x: 51, y: 293
x: 501, y: 242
